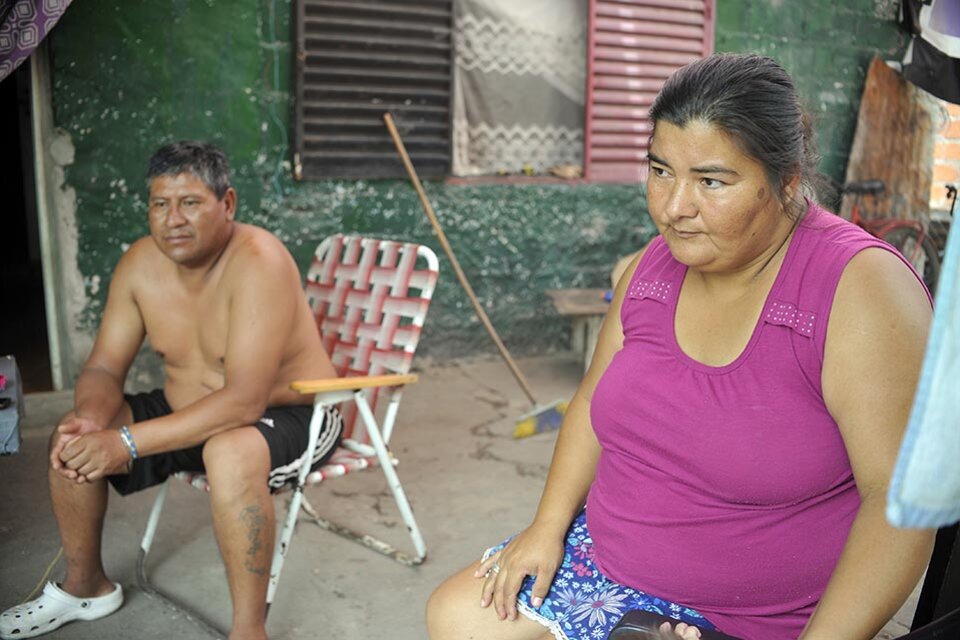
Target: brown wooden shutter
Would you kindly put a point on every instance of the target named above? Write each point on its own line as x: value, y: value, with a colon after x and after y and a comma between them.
x: 633, y: 46
x: 356, y: 60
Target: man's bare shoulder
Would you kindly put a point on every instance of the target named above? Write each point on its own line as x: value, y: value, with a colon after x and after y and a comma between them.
x: 254, y: 249
x: 252, y: 237
x: 142, y: 261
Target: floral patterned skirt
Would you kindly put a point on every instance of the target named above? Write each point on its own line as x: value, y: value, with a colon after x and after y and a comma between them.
x: 583, y: 604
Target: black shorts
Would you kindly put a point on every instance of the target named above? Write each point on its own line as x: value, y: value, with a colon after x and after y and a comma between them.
x: 286, y: 430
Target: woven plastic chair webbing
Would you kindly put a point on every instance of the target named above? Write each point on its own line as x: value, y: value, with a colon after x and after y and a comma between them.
x: 342, y: 462
x: 369, y: 300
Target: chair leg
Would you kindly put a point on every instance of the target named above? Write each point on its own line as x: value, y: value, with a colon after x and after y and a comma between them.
x: 149, y: 588
x: 386, y: 463
x: 282, y: 546
x: 279, y: 552
x: 283, y: 543
x: 366, y: 540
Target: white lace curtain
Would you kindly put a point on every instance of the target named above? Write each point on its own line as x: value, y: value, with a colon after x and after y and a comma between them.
x: 518, y: 85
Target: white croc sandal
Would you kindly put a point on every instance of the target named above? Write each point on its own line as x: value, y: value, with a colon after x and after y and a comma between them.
x: 54, y: 608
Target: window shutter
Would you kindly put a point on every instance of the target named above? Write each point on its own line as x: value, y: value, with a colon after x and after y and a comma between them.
x: 356, y: 60
x: 633, y: 46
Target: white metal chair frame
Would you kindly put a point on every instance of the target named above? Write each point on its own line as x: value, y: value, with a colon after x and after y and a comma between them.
x: 381, y: 272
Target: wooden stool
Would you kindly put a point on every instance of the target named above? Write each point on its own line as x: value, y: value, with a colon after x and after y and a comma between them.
x: 587, y: 308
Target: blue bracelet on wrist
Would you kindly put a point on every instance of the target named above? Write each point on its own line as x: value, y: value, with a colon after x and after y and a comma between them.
x: 128, y: 442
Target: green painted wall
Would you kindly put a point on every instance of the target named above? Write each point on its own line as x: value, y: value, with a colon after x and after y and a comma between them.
x: 128, y: 77
x: 826, y: 45
x: 127, y: 81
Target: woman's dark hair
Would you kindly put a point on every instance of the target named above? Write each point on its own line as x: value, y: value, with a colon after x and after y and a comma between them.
x: 204, y: 160
x: 751, y: 98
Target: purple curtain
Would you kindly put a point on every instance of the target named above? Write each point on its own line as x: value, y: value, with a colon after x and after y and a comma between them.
x: 23, y: 25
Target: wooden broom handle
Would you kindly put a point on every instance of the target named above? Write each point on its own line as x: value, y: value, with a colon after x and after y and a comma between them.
x: 453, y: 259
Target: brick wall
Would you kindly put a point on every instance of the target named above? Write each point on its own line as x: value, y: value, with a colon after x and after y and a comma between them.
x: 946, y: 163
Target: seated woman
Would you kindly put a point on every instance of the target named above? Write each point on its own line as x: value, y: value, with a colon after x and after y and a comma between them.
x: 726, y: 458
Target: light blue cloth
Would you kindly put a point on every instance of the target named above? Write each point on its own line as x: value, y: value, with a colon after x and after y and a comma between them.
x: 925, y: 490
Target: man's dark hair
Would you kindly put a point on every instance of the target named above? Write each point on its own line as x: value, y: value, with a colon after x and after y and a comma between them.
x: 751, y: 98
x: 204, y: 160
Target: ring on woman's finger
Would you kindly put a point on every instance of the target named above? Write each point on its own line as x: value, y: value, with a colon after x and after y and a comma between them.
x: 494, y: 568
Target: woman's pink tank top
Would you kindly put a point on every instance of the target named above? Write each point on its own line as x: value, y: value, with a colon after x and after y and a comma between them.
x: 727, y: 489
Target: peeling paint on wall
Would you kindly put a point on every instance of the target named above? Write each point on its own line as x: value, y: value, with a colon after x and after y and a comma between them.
x: 73, y: 298
x: 886, y: 9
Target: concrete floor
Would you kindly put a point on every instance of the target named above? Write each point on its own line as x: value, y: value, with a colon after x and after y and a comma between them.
x: 470, y: 483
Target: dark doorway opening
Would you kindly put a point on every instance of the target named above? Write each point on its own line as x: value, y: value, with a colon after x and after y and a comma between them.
x: 23, y: 320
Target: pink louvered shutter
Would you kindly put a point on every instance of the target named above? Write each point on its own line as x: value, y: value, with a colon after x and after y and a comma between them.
x: 633, y: 46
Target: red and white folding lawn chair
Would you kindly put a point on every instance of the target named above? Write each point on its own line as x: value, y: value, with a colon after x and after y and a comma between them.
x: 370, y: 298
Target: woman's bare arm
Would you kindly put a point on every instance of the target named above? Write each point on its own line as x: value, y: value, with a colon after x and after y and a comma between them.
x: 538, y: 550
x: 874, y: 351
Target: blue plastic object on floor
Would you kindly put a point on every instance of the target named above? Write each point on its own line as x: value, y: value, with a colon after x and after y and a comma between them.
x: 925, y: 490
x: 10, y: 416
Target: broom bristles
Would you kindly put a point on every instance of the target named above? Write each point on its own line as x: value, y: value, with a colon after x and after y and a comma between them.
x: 540, y: 419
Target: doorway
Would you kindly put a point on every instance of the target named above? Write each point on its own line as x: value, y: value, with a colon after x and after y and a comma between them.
x: 23, y: 320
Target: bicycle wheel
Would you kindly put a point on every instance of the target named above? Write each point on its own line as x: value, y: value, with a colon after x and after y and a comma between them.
x: 924, y: 258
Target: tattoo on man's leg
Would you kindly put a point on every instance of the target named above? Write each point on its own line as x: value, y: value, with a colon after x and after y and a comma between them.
x: 254, y: 520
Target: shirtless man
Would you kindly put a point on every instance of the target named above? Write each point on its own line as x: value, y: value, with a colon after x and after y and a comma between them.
x: 222, y: 304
